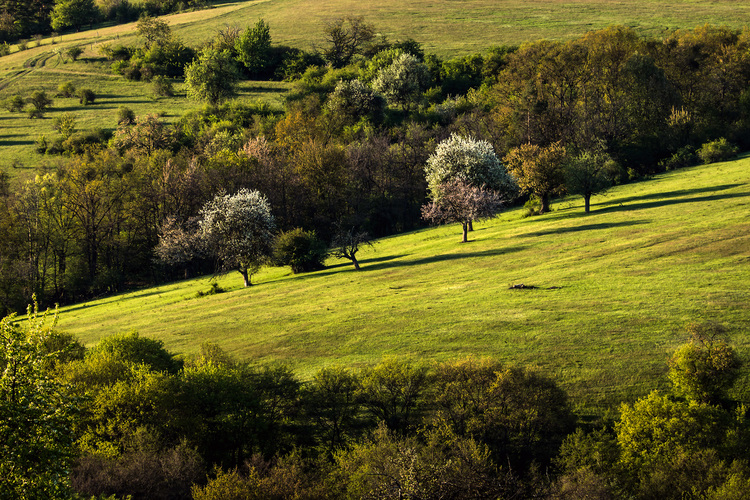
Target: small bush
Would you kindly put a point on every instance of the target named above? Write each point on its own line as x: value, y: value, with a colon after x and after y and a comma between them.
x: 15, y: 104
x: 40, y: 101
x: 4, y: 49
x: 718, y: 150
x: 162, y: 86
x: 33, y: 112
x: 74, y: 53
x: 125, y: 116
x: 116, y: 53
x: 706, y: 367
x: 532, y: 207
x: 81, y: 142
x: 684, y: 157
x: 41, y: 145
x: 23, y: 45
x: 302, y: 250
x: 215, y: 289
x: 86, y: 96
x: 66, y: 89
x: 65, y: 124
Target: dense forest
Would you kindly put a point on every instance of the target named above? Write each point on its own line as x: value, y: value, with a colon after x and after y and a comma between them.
x: 351, y: 146
x: 127, y: 419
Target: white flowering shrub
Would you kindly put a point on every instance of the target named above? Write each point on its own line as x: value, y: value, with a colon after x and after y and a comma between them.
x: 238, y: 231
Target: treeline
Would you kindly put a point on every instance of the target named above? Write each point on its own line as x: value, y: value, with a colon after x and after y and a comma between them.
x: 129, y: 418
x: 351, y: 145
x: 20, y: 21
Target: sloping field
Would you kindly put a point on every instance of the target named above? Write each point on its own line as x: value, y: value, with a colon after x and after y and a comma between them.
x: 458, y: 27
x: 614, y: 292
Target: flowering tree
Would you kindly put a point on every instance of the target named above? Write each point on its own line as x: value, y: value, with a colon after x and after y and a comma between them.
x: 462, y: 202
x: 237, y: 231
x: 470, y: 160
x: 467, y: 182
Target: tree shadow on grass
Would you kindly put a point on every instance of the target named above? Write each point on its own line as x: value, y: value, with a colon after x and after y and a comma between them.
x: 679, y: 193
x: 674, y: 201
x: 585, y: 227
x: 440, y: 258
x: 113, y: 299
x: 391, y: 262
x: 660, y: 199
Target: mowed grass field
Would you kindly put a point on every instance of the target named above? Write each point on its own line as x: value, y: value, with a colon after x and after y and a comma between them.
x: 615, y: 291
x: 446, y: 28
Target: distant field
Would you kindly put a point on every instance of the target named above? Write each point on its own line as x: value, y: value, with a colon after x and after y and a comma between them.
x: 456, y: 27
x: 615, y: 292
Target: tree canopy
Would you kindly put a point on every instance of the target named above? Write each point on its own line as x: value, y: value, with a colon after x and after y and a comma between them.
x: 238, y: 231
x: 212, y: 76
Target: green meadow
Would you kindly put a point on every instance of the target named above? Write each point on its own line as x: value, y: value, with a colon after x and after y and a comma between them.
x: 607, y: 296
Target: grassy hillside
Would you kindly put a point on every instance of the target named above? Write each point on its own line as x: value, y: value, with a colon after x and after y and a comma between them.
x: 459, y: 27
x: 615, y: 291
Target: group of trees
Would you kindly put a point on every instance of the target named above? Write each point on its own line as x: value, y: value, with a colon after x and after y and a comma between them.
x: 20, y: 20
x: 129, y: 418
x: 362, y: 142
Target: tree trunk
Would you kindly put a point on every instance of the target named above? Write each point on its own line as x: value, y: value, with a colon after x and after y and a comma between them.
x: 586, y: 203
x: 245, y: 277
x: 465, y: 225
x: 356, y: 264
x: 544, y: 198
x: 471, y: 224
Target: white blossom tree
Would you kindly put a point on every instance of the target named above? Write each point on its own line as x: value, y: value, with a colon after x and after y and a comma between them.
x: 469, y: 172
x: 462, y: 202
x: 237, y: 231
x: 470, y: 160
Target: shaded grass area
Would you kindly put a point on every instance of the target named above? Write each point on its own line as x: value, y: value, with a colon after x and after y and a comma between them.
x: 615, y: 290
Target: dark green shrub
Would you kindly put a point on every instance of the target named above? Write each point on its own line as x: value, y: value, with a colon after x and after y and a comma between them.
x: 215, y: 288
x: 117, y: 53
x: 683, y: 157
x: 4, y: 49
x: 136, y: 349
x: 39, y: 101
x: 81, y: 142
x: 718, y: 150
x: 125, y: 116
x: 302, y: 250
x: 14, y: 104
x: 86, y: 96
x: 162, y: 86
x: 66, y: 89
x: 74, y: 52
